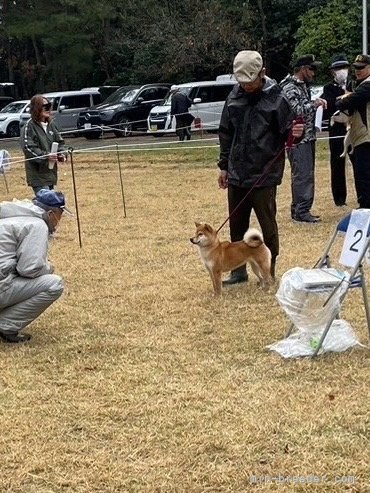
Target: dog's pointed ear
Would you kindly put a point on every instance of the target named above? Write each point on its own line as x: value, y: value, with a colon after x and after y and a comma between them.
x: 197, y: 224
x: 208, y: 228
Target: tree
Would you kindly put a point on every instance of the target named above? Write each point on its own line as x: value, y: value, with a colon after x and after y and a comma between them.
x: 330, y: 29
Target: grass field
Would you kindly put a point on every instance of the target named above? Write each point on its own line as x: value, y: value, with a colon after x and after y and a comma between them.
x: 138, y: 380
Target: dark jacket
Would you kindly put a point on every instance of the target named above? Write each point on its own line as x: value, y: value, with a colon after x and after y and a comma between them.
x: 357, y: 106
x: 299, y: 97
x: 253, y: 130
x: 180, y: 103
x: 35, y: 143
x: 331, y: 92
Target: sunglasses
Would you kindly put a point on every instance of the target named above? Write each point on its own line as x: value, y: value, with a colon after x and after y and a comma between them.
x: 313, y: 69
x: 46, y: 106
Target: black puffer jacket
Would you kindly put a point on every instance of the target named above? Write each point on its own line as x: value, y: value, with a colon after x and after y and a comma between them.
x: 253, y: 130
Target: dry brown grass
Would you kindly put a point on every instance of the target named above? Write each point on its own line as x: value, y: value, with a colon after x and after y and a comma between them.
x: 138, y: 380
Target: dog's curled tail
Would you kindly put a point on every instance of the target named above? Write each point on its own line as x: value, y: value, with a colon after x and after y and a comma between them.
x: 253, y: 237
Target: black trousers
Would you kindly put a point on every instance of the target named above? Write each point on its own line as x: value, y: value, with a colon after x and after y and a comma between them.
x: 337, y: 168
x: 263, y: 202
x: 361, y: 171
x: 183, y: 126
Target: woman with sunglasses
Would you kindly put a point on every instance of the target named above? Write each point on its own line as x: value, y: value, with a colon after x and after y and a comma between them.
x: 36, y: 140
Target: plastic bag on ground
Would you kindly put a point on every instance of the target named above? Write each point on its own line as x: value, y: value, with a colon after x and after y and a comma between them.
x: 304, y: 343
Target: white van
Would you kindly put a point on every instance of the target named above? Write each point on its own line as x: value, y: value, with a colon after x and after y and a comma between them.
x: 208, y: 101
x: 66, y: 106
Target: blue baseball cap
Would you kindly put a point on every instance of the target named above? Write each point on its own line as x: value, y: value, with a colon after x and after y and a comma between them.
x: 50, y: 199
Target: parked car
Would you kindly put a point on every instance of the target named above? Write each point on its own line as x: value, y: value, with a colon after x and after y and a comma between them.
x: 208, y: 101
x: 5, y: 100
x: 125, y: 110
x: 66, y: 106
x: 10, y: 116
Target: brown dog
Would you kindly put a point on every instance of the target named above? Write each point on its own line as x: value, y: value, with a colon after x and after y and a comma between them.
x: 224, y: 256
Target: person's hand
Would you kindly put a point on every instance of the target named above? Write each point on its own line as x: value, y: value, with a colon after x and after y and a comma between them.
x: 297, y: 129
x: 321, y: 102
x: 222, y: 179
x: 345, y: 95
x: 52, y: 157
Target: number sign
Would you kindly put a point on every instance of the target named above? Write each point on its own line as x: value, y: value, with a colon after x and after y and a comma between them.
x: 356, y: 237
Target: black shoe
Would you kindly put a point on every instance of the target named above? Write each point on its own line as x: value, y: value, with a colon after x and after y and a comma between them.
x: 14, y: 337
x: 235, y: 278
x: 307, y: 218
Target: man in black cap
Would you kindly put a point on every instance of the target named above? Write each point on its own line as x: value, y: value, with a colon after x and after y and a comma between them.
x: 302, y: 156
x: 27, y: 283
x: 357, y: 106
x: 337, y: 127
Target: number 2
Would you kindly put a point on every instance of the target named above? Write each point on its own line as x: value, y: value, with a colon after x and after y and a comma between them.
x: 359, y: 233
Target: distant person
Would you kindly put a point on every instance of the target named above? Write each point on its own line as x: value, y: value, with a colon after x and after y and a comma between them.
x: 180, y: 104
x: 337, y: 127
x: 37, y: 137
x: 27, y: 283
x: 357, y: 105
x: 302, y: 156
x: 255, y: 123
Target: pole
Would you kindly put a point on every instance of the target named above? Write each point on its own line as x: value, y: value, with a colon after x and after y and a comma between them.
x: 121, y: 181
x: 70, y: 150
x: 364, y: 27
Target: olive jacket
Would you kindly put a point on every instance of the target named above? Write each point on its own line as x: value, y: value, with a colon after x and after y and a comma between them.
x: 36, y: 143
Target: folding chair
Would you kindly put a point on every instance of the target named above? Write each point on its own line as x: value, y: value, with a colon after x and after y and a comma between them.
x: 355, y: 277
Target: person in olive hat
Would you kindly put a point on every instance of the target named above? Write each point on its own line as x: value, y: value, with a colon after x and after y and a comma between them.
x: 302, y: 156
x: 357, y: 105
x: 337, y: 127
x: 28, y: 285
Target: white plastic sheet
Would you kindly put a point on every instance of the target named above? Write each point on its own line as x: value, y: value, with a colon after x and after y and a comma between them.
x: 310, y: 298
x: 304, y: 343
x: 304, y: 293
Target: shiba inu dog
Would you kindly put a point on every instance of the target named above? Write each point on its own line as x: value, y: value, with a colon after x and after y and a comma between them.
x: 222, y: 256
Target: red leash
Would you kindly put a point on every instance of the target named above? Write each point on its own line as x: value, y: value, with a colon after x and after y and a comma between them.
x: 290, y: 143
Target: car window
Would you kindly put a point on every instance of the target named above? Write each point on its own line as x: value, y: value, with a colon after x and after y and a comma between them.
x: 206, y: 93
x: 154, y: 93
x: 117, y: 96
x: 13, y: 108
x: 96, y: 98
x: 221, y: 92
x: 128, y: 96
x: 75, y: 101
x: 54, y: 102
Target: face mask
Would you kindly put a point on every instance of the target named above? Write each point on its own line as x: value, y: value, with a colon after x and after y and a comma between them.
x: 340, y: 76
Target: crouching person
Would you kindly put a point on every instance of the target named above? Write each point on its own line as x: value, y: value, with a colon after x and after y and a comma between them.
x: 27, y: 283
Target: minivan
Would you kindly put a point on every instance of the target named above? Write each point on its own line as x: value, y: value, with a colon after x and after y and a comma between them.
x: 208, y: 101
x: 66, y: 106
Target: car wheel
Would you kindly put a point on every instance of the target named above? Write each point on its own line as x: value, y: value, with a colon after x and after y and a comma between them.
x: 126, y: 126
x: 13, y: 130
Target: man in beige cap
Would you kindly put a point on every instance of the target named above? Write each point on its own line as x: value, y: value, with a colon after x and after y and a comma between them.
x: 254, y: 127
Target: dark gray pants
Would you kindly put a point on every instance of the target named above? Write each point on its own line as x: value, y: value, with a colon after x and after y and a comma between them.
x: 26, y: 299
x: 302, y: 161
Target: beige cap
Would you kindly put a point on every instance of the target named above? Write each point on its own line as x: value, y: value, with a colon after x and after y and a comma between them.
x: 247, y: 65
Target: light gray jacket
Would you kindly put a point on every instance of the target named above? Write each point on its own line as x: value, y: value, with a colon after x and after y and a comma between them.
x: 24, y: 238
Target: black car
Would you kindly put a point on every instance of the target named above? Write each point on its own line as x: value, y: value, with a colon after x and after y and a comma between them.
x: 125, y: 110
